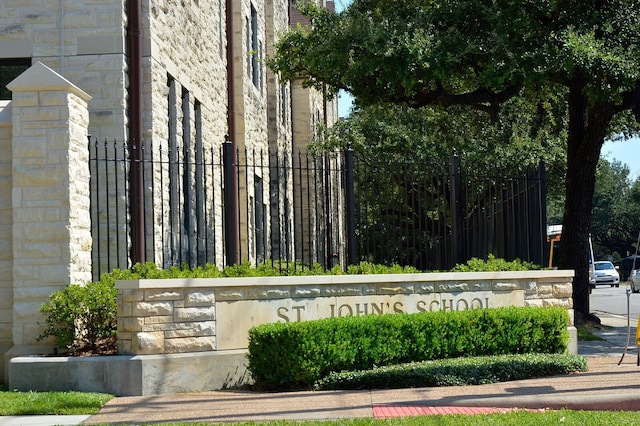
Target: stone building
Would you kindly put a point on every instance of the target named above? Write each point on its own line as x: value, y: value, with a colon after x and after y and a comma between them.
x: 170, y: 81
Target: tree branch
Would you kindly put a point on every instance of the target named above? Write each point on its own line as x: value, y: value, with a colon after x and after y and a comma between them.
x: 481, y: 99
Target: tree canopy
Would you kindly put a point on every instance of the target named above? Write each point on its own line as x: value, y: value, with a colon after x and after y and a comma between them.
x: 615, y: 219
x: 465, y: 52
x: 576, y: 60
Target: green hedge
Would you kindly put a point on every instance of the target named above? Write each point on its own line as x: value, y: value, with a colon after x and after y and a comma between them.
x: 295, y: 355
x: 455, y: 372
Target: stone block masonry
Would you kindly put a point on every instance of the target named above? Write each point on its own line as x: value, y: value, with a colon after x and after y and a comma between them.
x: 51, y: 227
x: 166, y: 321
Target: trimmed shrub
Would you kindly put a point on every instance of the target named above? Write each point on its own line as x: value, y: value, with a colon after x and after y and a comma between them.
x: 455, y: 372
x: 82, y: 318
x: 295, y: 355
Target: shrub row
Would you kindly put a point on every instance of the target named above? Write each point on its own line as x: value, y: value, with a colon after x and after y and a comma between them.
x: 82, y: 318
x: 456, y: 372
x: 296, y: 355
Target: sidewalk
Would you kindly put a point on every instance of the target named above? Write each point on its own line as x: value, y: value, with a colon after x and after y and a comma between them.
x: 608, y: 385
x: 612, y: 383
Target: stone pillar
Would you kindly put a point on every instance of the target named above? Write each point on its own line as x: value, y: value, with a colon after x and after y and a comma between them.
x: 51, y: 227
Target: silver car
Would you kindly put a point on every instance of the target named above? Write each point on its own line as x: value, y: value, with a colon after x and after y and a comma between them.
x: 606, y: 274
x: 634, y: 277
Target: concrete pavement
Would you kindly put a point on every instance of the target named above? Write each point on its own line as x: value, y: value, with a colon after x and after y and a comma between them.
x: 606, y: 386
x: 612, y: 383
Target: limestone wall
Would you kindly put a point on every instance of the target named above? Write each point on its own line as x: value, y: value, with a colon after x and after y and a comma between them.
x: 197, y: 315
x: 185, y: 87
x: 6, y: 244
x: 81, y: 39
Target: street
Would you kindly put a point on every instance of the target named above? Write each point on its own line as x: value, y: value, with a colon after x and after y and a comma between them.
x: 613, y: 300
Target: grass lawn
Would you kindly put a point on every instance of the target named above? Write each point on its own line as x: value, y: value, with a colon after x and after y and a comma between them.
x: 519, y: 418
x: 67, y: 403
x: 586, y: 335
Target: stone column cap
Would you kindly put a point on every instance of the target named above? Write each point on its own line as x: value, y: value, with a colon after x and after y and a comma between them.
x: 40, y: 77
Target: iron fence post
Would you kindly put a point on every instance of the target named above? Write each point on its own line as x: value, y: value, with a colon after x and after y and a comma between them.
x: 231, y: 234
x: 456, y: 210
x: 350, y: 204
x: 542, y: 208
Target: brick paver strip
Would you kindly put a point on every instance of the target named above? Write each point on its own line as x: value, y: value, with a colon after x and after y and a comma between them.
x: 390, y: 411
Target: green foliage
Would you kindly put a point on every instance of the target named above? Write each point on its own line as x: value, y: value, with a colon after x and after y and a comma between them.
x: 295, y: 355
x: 430, y: 133
x: 615, y: 217
x: 455, y: 372
x: 81, y: 317
x: 371, y: 268
x: 494, y: 264
x: 429, y: 52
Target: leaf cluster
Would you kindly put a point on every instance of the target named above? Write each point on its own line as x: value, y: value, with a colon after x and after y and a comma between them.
x: 429, y: 52
x: 494, y: 264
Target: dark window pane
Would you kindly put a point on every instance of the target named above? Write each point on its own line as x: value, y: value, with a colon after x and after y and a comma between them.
x: 9, y: 70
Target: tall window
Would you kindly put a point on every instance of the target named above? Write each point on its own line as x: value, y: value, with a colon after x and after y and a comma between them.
x: 254, y: 48
x: 200, y: 196
x: 9, y: 70
x: 187, y: 182
x: 259, y: 219
x: 284, y: 104
x: 173, y: 221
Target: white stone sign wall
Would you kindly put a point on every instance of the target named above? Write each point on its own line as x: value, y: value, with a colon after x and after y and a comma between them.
x: 195, y: 315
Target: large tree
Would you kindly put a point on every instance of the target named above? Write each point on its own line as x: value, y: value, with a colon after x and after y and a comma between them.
x: 583, y: 55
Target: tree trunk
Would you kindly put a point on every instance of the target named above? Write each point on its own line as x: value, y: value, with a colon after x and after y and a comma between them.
x: 587, y: 128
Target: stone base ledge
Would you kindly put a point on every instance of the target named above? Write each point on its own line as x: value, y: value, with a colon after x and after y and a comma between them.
x: 123, y: 375
x: 143, y: 375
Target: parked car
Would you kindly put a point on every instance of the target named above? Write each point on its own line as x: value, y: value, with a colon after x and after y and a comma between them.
x: 634, y: 277
x: 606, y: 273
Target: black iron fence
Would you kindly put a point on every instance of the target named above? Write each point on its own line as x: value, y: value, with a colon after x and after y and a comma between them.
x: 296, y: 210
x: 433, y: 214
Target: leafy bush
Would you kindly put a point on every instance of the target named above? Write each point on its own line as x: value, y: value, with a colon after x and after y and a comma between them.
x: 493, y: 264
x: 82, y: 318
x: 455, y: 372
x: 295, y: 355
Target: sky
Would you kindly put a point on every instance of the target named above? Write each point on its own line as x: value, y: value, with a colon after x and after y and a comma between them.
x: 627, y: 152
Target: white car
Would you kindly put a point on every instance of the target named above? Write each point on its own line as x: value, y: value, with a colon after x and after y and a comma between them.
x: 634, y: 277
x: 606, y: 273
